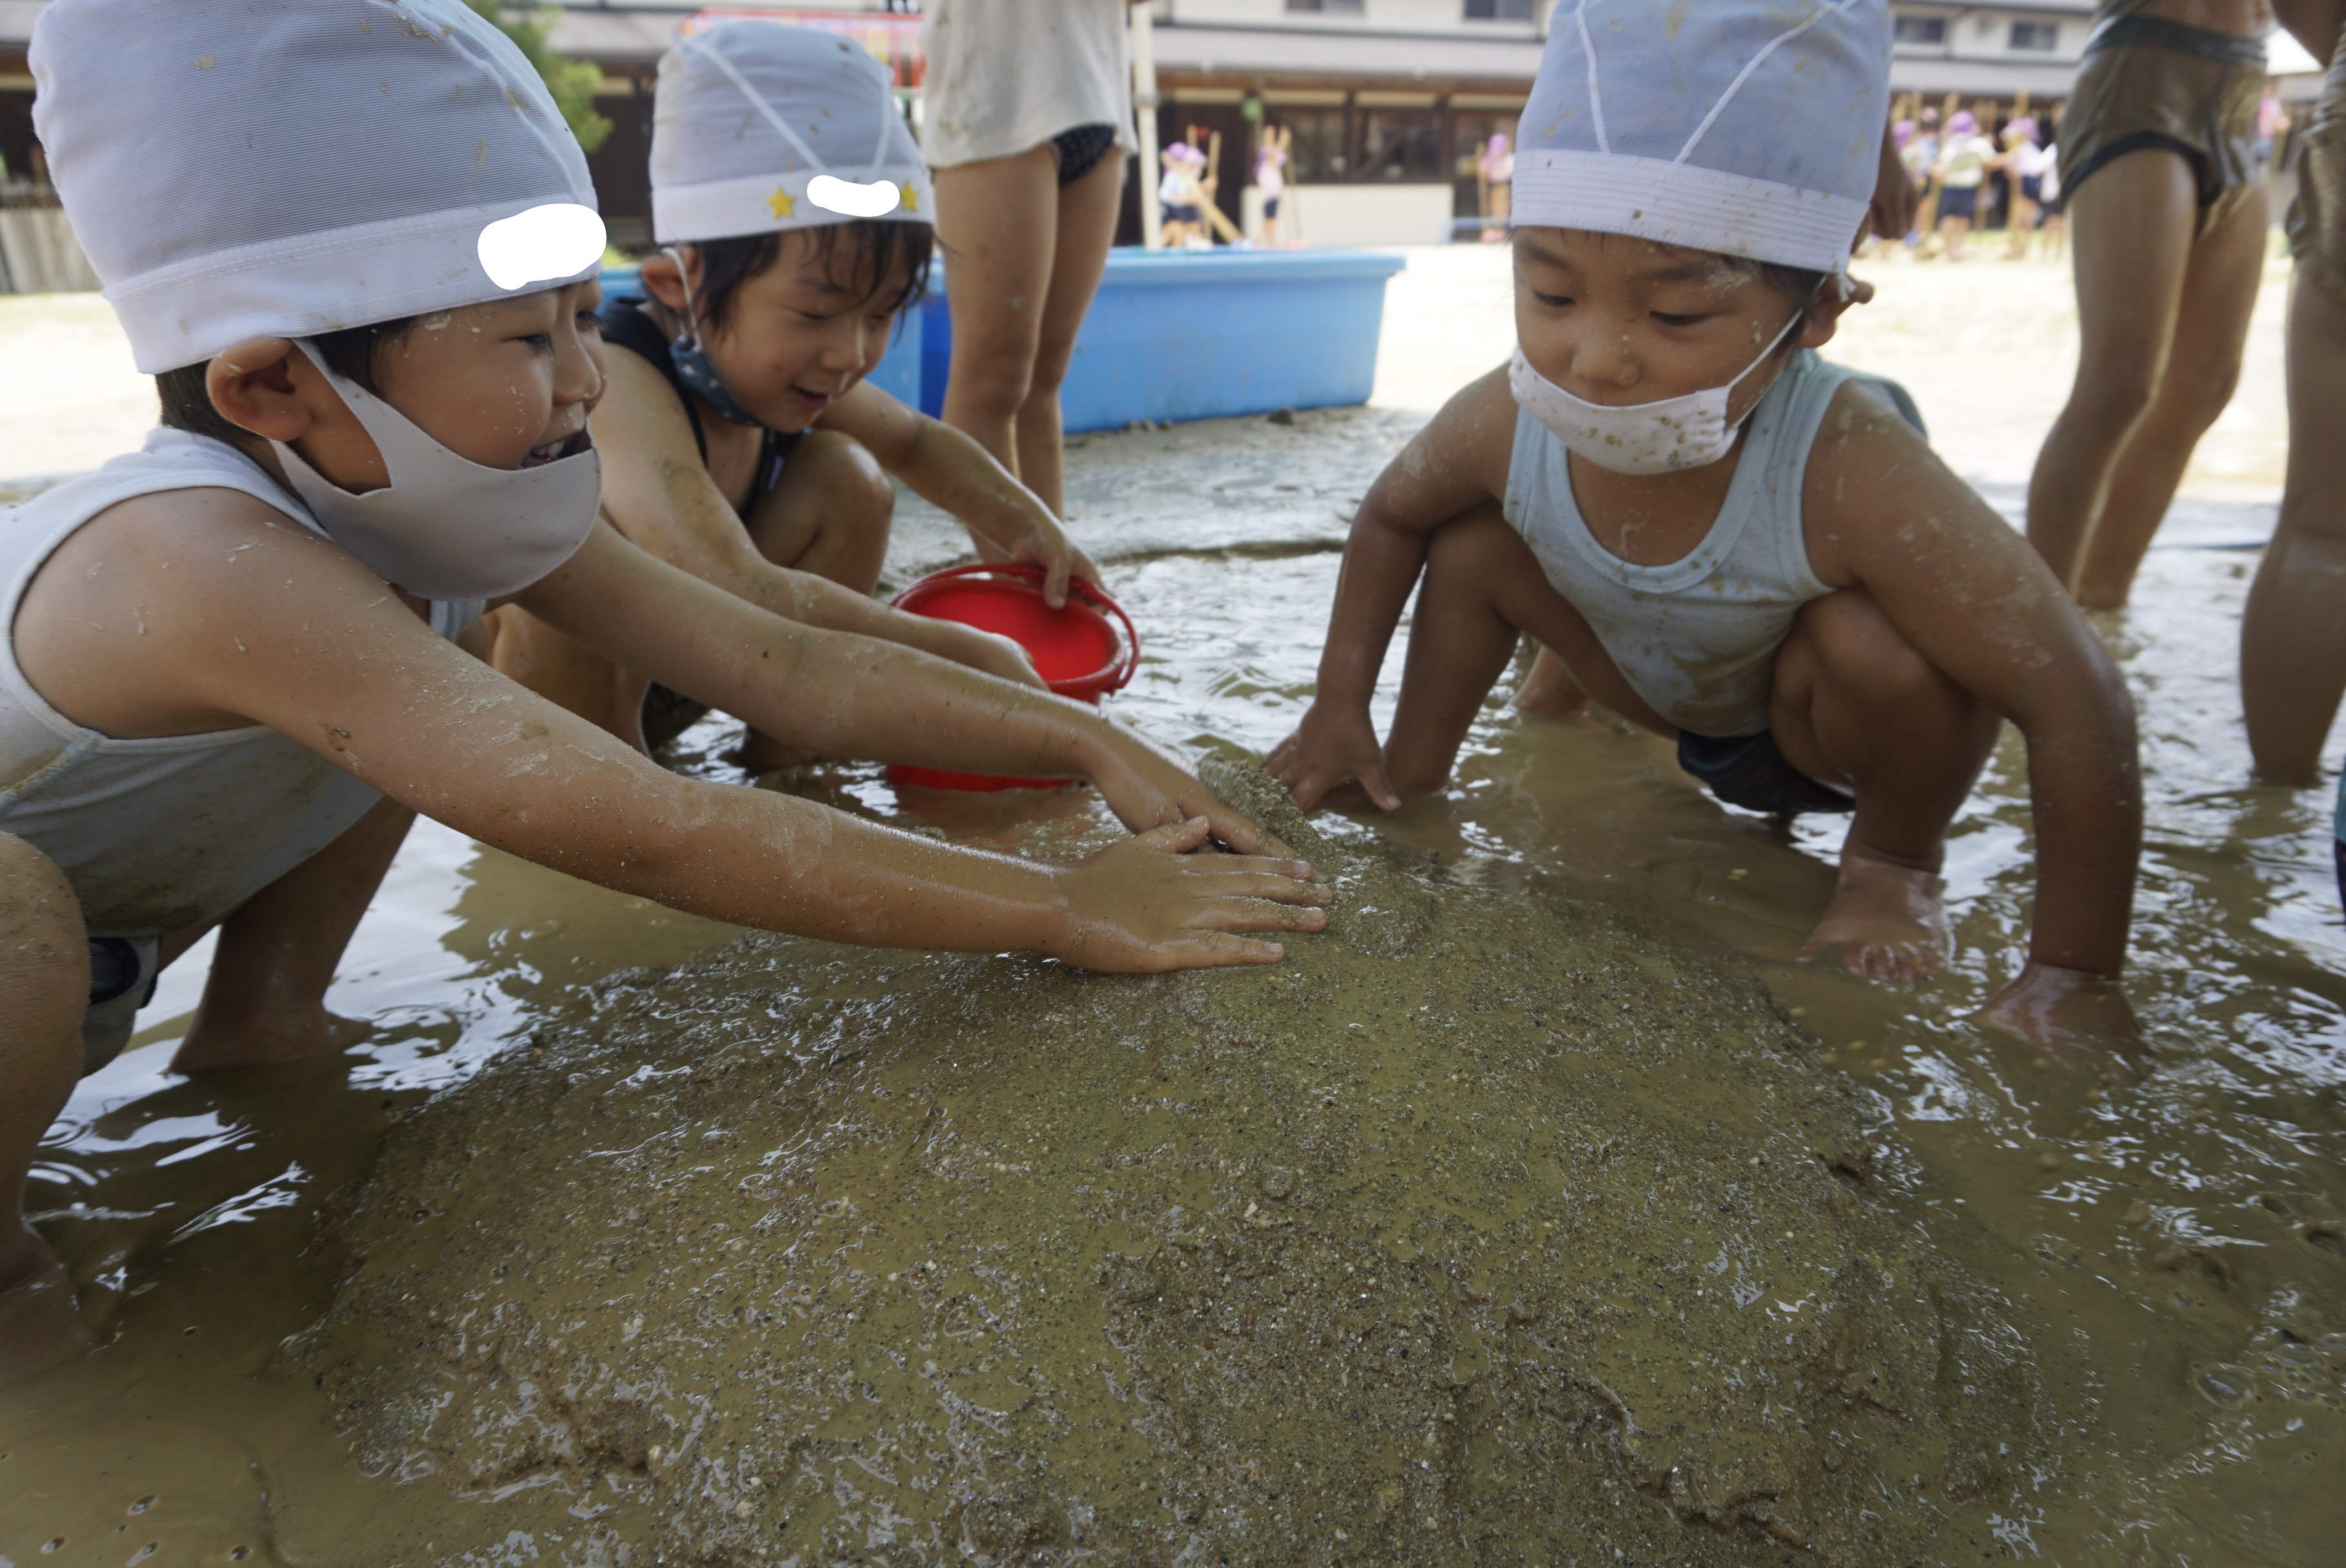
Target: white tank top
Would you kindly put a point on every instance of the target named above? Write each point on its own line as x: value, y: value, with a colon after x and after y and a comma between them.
x: 1697, y: 638
x: 160, y: 834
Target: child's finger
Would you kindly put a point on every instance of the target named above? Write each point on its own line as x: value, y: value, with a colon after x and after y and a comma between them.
x: 1177, y: 838
x: 1256, y: 914
x: 1272, y: 885
x: 1054, y: 580
x: 1372, y: 779
x: 1217, y: 949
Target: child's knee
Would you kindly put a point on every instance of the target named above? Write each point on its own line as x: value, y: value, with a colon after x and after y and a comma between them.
x: 1859, y: 649
x: 1477, y: 546
x: 858, y: 487
x: 44, y: 949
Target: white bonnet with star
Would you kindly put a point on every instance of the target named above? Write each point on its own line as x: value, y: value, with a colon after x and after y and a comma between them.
x: 1751, y: 127
x: 760, y: 126
x: 288, y: 168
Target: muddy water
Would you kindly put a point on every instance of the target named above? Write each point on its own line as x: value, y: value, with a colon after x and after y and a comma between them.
x: 2175, y: 1245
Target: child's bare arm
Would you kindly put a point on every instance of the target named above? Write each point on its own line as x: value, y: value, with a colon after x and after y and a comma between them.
x: 1457, y: 461
x: 659, y: 493
x: 227, y: 617
x: 837, y: 692
x: 1977, y: 602
x: 951, y: 471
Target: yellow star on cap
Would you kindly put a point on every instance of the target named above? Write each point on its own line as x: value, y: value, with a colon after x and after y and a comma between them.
x: 911, y: 197
x: 781, y: 202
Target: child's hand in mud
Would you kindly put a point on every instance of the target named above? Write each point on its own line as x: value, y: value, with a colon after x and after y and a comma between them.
x: 2069, y: 1014
x: 1148, y: 905
x: 1147, y: 787
x: 1334, y: 747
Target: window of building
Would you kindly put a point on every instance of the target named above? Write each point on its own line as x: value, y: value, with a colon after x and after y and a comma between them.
x: 1919, y: 30
x: 1318, y: 154
x: 1326, y: 7
x: 1498, y: 10
x: 1402, y: 144
x: 2039, y: 35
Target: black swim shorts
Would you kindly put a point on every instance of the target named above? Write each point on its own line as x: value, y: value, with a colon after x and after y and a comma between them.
x: 1748, y: 770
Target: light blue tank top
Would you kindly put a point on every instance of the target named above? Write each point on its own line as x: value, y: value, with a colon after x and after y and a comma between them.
x: 1697, y: 638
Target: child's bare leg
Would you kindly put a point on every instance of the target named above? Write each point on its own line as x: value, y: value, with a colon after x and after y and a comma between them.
x: 829, y: 517
x: 1483, y: 589
x: 2203, y: 365
x: 565, y: 670
x: 43, y: 991
x: 2293, y: 636
x: 830, y: 514
x: 2135, y: 222
x: 1856, y: 705
x: 1548, y: 691
x: 265, y: 1000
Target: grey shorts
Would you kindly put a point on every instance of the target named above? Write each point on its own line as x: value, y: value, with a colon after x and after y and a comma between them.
x: 122, y: 972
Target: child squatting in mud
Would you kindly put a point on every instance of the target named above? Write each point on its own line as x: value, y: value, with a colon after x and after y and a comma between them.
x: 1726, y: 539
x: 739, y: 437
x: 240, y: 660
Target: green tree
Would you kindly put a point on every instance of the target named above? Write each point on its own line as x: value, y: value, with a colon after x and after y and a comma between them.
x: 571, y: 82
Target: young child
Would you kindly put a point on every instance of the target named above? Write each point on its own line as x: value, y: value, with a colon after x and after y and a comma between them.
x: 1178, y: 215
x: 353, y: 237
x: 1728, y: 540
x: 738, y: 438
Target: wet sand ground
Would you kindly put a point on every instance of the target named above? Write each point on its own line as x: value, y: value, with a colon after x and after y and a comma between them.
x: 2189, y: 1232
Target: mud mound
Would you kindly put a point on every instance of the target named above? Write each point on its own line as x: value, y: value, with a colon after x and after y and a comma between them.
x: 1479, y: 1230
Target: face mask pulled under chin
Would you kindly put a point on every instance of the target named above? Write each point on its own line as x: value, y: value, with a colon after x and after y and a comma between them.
x: 1659, y: 437
x: 446, y: 527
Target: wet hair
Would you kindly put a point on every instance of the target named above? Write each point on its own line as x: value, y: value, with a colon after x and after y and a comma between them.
x: 877, y: 248
x: 351, y: 352
x: 1800, y: 285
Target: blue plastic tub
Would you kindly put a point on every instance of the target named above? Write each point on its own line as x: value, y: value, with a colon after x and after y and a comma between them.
x: 1183, y: 335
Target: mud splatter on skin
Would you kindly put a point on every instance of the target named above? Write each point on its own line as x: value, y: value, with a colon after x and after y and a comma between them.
x: 1479, y: 1227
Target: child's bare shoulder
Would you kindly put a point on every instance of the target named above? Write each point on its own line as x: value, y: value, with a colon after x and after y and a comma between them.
x: 137, y: 617
x: 1461, y: 456
x: 1874, y: 484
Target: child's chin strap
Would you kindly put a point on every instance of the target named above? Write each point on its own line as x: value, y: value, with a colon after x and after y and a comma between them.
x: 692, y: 359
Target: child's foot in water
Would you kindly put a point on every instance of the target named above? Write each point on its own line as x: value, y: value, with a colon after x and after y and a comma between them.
x: 1889, y: 921
x: 1549, y: 691
x: 39, y: 1326
x: 263, y: 1038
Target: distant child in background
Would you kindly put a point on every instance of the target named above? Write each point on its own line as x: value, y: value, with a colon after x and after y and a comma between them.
x: 1271, y: 180
x: 1728, y: 540
x: 741, y: 441
x: 1179, y: 218
x: 1921, y: 156
x: 1497, y: 166
x: 1962, y: 170
x: 2022, y: 178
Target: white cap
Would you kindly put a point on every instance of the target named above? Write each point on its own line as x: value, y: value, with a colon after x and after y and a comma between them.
x: 760, y: 126
x: 1748, y: 129
x: 295, y: 166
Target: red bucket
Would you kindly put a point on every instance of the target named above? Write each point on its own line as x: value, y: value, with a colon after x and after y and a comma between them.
x: 1079, y: 650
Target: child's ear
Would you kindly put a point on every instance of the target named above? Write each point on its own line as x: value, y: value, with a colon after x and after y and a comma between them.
x: 664, y: 280
x: 253, y: 387
x: 1839, y: 293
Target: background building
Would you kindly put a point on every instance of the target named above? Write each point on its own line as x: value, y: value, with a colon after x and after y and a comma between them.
x: 1387, y: 99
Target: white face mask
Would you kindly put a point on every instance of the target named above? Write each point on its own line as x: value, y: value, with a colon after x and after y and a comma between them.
x: 1659, y: 437
x: 446, y: 527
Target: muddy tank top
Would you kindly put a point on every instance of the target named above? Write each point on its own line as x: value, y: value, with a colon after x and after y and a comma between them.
x: 1697, y: 638
x: 160, y: 834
